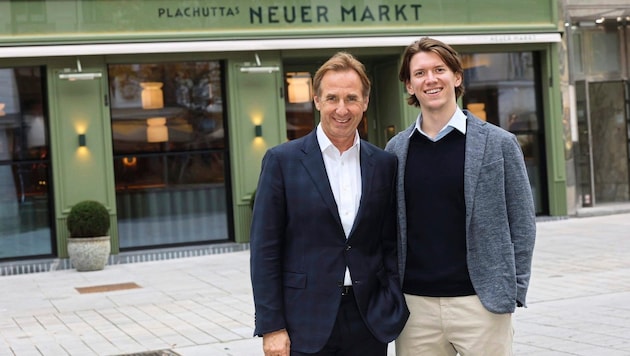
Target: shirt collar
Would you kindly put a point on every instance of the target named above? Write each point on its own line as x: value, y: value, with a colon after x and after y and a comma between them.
x: 325, y: 144
x: 457, y: 121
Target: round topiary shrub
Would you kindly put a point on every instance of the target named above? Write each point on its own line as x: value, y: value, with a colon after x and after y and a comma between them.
x: 88, y: 219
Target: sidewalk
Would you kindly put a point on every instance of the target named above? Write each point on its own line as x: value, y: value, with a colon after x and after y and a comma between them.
x: 579, y: 302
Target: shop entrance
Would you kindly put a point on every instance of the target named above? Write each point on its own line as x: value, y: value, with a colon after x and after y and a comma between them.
x: 503, y: 88
x: 603, y: 148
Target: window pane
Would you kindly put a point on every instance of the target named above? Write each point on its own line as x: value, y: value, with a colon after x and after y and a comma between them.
x: 25, y: 224
x: 576, y: 54
x: 299, y: 104
x: 604, y: 56
x: 501, y: 88
x: 186, y: 96
x: 172, y: 200
x: 169, y: 153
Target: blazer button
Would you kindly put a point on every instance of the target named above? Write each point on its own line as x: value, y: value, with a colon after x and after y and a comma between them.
x: 348, y: 248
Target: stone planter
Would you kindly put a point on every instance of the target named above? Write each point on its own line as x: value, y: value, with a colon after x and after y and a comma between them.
x: 89, y: 253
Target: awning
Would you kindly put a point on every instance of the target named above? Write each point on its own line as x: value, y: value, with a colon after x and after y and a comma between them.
x: 264, y: 44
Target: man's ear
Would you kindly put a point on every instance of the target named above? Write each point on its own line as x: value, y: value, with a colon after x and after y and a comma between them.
x: 409, y: 88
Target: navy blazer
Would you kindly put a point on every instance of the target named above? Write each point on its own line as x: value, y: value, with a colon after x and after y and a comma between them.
x: 299, y: 251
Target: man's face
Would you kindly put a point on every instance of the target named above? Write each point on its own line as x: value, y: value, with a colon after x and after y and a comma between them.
x: 432, y: 81
x: 341, y: 105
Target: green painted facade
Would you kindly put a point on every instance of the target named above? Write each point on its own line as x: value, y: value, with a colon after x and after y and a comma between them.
x: 40, y: 21
x: 80, y: 107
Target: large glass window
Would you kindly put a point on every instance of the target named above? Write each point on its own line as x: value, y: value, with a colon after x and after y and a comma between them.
x: 170, y: 153
x: 25, y: 218
x: 503, y: 88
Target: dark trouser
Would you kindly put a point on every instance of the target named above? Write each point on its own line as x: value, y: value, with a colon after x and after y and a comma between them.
x: 350, y: 336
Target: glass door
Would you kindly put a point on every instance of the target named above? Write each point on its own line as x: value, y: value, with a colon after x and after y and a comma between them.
x: 26, y: 206
x: 609, y: 140
x: 603, y: 152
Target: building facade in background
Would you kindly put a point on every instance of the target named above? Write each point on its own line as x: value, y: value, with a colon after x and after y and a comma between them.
x: 597, y: 101
x: 163, y: 110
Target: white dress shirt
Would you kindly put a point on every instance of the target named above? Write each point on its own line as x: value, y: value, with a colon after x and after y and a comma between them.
x: 344, y: 175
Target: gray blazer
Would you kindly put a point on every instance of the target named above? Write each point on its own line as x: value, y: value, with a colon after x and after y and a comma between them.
x: 500, y: 214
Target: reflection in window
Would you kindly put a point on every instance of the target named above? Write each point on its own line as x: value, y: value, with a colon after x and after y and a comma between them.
x: 25, y: 223
x: 170, y: 153
x: 502, y: 89
x: 299, y: 104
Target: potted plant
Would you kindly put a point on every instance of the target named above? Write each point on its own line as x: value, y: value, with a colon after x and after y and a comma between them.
x: 89, y: 244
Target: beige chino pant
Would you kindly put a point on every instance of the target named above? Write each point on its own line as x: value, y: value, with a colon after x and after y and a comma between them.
x: 446, y: 326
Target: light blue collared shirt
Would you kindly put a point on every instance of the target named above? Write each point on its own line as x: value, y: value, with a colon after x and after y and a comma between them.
x: 457, y: 122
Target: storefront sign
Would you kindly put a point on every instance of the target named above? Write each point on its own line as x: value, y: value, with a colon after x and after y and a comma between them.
x: 321, y: 14
x: 71, y: 21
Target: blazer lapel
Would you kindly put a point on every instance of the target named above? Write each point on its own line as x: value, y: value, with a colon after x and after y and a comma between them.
x: 476, y: 136
x: 367, y: 174
x: 314, y: 164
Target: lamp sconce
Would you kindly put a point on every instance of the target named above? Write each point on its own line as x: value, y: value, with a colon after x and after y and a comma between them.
x: 258, y: 68
x: 82, y: 142
x: 78, y: 73
x: 258, y: 130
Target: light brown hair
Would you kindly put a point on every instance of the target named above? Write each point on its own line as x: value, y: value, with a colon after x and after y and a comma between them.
x: 444, y: 51
x: 340, y: 62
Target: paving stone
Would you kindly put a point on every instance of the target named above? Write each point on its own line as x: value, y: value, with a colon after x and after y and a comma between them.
x: 203, y: 305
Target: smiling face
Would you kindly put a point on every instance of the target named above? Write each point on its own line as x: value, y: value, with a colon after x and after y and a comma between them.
x: 433, y: 83
x: 341, y: 104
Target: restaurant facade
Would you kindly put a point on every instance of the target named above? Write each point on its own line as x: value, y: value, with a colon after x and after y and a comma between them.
x: 598, y: 100
x: 163, y: 110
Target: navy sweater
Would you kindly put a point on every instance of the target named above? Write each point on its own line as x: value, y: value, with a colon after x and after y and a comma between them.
x: 436, y: 217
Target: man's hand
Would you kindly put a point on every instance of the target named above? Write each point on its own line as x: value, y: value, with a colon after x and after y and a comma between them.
x: 276, y: 343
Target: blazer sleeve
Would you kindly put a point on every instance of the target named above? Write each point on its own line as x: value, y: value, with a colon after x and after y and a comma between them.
x: 521, y: 215
x: 266, y: 241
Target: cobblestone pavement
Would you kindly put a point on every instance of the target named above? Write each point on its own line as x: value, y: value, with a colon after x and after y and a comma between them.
x: 578, y: 302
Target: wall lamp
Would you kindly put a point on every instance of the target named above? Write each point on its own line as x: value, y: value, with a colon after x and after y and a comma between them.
x: 258, y: 68
x: 258, y: 130
x: 82, y: 140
